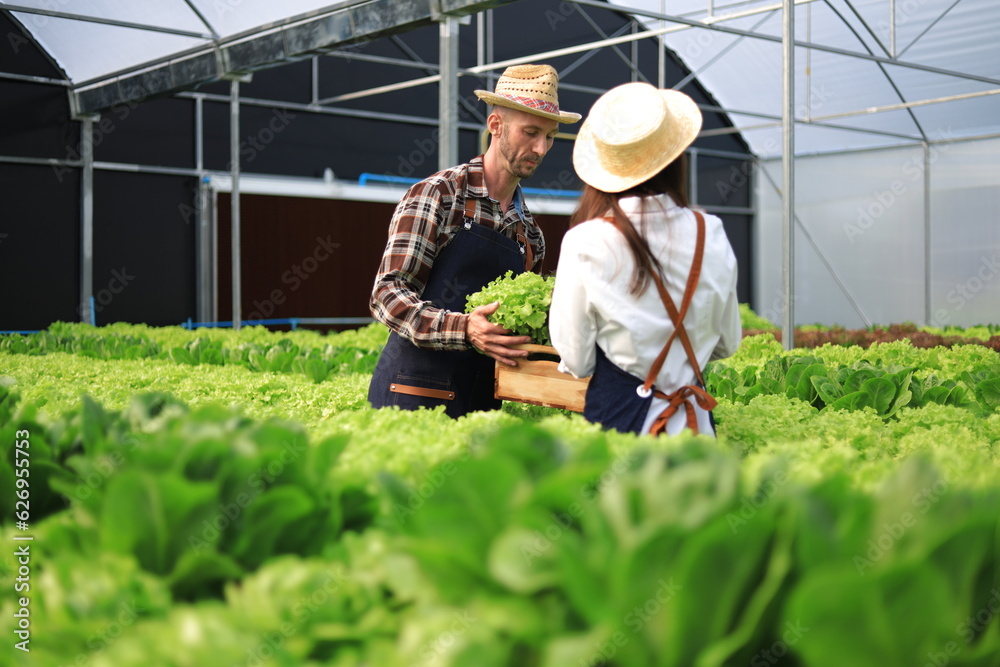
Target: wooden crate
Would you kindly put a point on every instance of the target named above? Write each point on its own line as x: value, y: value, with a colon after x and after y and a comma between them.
x: 539, y: 382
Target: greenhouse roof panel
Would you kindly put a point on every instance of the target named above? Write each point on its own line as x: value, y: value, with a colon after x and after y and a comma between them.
x: 844, y: 68
x: 81, y: 50
x: 853, y: 58
x: 231, y: 17
x: 170, y: 14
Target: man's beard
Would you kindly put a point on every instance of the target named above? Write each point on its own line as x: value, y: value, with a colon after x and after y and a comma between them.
x: 517, y: 165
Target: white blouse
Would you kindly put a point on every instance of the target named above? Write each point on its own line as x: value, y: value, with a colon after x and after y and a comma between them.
x: 591, y: 304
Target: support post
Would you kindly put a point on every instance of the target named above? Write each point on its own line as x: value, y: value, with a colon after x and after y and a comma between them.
x: 206, y: 249
x: 661, y: 52
x: 928, y: 260
x: 207, y: 256
x: 448, y: 93
x: 234, y: 170
x: 788, y: 173
x: 86, y: 310
x: 892, y: 28
x: 234, y: 156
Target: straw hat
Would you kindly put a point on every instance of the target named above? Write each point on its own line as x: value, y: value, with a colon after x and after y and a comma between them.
x: 529, y: 88
x: 632, y: 132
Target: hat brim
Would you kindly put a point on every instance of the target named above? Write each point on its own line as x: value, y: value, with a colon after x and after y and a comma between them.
x: 682, y: 112
x: 500, y: 101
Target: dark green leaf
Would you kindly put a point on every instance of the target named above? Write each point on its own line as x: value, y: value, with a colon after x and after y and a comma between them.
x: 853, y: 401
x: 881, y: 392
x: 181, y: 356
x: 827, y: 388
x: 263, y: 521
x: 988, y: 393
x: 316, y: 370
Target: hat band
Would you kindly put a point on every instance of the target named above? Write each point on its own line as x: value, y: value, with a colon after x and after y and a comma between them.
x: 534, y: 103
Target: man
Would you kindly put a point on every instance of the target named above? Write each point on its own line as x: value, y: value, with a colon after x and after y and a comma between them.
x: 451, y: 234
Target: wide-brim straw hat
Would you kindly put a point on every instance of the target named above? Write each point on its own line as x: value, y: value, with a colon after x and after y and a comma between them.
x: 632, y: 132
x: 533, y: 89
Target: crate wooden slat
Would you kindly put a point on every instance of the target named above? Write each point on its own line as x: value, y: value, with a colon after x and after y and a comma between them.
x: 539, y: 382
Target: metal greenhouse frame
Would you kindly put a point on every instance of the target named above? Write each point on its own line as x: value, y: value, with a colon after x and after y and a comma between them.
x: 203, y: 51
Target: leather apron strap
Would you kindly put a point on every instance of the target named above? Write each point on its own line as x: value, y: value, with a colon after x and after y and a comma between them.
x: 683, y: 395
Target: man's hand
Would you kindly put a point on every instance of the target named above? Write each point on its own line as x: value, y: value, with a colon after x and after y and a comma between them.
x: 492, y: 339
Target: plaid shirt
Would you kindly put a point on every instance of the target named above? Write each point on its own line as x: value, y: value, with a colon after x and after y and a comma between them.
x: 425, y: 222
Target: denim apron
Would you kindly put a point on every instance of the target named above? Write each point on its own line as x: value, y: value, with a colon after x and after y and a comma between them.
x: 618, y: 400
x: 411, y: 377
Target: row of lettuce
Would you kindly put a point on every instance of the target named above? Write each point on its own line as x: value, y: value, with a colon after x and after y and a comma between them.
x: 307, y: 352
x: 170, y: 535
x: 893, y: 377
x: 170, y: 529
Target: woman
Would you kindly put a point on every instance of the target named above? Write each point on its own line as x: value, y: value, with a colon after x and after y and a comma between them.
x: 631, y: 257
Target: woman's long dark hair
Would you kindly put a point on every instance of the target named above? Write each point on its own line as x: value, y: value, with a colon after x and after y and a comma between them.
x: 594, y: 203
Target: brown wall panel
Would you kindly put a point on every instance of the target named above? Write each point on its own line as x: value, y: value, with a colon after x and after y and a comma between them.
x: 316, y: 257
x: 303, y: 257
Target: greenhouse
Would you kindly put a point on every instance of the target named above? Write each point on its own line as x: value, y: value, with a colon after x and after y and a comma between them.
x: 197, y: 201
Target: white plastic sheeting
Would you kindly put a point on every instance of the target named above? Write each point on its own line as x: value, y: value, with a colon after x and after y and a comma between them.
x: 876, y: 82
x: 865, y: 211
x: 898, y: 209
x: 86, y: 50
x: 744, y: 73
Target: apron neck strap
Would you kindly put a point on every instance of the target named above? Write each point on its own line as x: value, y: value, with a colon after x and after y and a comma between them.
x: 522, y: 239
x: 677, y: 317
